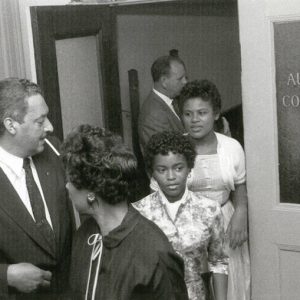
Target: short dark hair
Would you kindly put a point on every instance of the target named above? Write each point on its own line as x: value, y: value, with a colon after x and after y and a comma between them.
x: 162, y: 66
x: 204, y: 89
x: 169, y: 141
x: 13, y: 95
x: 97, y: 160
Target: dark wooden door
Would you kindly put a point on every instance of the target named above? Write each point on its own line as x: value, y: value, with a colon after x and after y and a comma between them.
x: 51, y: 23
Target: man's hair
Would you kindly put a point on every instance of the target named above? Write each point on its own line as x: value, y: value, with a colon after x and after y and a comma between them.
x: 13, y: 95
x: 169, y: 141
x: 162, y: 65
x: 204, y: 89
x: 98, y: 161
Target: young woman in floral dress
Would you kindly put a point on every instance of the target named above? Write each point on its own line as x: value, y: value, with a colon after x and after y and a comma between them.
x: 194, y: 225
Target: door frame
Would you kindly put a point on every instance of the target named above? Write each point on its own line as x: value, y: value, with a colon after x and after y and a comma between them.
x: 44, y: 37
x: 96, y: 20
x: 274, y: 225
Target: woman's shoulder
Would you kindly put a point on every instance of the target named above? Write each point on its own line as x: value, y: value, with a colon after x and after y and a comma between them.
x: 88, y: 226
x: 153, y: 251
x: 228, y: 142
x: 226, y: 139
x: 150, y: 236
x: 146, y: 202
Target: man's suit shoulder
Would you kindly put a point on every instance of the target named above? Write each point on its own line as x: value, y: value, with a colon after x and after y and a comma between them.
x: 152, y: 100
x: 155, y: 107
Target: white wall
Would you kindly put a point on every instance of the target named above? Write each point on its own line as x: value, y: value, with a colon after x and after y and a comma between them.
x: 80, y: 82
x: 209, y: 47
x: 27, y: 32
x: 11, y: 48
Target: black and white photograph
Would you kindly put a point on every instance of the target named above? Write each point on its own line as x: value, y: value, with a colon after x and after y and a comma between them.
x: 149, y: 149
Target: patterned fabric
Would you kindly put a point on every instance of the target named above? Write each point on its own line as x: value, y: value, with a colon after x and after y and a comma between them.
x: 196, y: 233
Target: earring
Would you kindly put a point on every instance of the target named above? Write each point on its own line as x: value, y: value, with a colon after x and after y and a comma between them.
x: 90, y: 198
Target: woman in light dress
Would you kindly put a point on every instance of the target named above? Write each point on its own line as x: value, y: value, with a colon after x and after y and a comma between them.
x: 219, y: 174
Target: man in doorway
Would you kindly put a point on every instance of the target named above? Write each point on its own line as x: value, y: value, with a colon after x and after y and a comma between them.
x: 157, y: 112
x: 35, y: 215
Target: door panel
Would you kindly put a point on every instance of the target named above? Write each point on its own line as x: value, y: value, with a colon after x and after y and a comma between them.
x: 79, y: 82
x: 274, y: 225
x: 287, y: 59
x: 53, y: 23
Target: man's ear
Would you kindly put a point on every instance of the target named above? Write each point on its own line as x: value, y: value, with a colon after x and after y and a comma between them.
x: 9, y: 124
x: 163, y: 81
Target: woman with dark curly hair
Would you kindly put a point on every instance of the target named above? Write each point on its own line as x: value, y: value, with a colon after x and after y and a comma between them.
x: 117, y: 253
x: 219, y: 174
x: 194, y: 225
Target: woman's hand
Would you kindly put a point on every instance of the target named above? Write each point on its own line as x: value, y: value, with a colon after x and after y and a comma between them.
x: 237, y: 229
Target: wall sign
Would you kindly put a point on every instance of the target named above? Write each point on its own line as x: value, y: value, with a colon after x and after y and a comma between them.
x: 287, y: 61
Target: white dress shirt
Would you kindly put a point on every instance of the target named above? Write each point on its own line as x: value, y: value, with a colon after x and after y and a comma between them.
x: 167, y: 100
x: 12, y: 166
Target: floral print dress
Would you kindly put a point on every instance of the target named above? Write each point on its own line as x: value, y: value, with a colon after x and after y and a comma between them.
x: 196, y: 233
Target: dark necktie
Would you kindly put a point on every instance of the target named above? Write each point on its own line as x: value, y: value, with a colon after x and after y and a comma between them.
x: 37, y: 205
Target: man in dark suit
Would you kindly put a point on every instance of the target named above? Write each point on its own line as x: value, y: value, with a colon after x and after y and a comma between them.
x: 35, y: 214
x: 157, y: 112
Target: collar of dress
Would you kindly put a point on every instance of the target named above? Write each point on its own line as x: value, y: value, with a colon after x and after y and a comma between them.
x: 117, y: 235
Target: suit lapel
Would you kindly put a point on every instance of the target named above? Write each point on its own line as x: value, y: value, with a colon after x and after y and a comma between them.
x: 175, y: 119
x: 13, y: 206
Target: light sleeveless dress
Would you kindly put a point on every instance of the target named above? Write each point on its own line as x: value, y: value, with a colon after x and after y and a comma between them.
x: 207, y: 181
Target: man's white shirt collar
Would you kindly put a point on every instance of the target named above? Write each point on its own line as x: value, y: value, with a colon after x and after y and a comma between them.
x: 163, y: 97
x: 14, y: 163
x: 167, y: 100
x: 12, y: 166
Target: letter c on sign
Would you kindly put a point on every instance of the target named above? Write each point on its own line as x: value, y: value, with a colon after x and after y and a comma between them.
x: 284, y: 99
